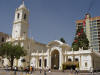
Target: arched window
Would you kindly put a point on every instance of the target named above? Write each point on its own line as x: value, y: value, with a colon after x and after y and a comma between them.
x: 85, y: 64
x: 24, y: 16
x: 2, y: 39
x: 18, y: 15
x: 45, y: 62
x: 69, y: 59
x: 76, y: 59
x: 39, y: 62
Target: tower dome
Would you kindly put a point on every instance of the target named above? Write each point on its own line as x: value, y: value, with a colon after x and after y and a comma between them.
x: 22, y: 6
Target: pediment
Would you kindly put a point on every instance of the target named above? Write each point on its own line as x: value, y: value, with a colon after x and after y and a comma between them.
x: 55, y: 42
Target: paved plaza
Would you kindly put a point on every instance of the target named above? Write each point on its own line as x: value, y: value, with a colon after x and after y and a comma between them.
x: 4, y: 72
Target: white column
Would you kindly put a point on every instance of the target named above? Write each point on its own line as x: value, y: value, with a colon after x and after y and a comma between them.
x: 80, y: 63
x: 60, y: 61
x: 65, y: 59
x: 42, y: 63
x: 37, y: 61
x: 48, y: 61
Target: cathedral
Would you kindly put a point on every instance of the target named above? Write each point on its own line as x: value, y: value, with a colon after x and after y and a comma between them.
x: 47, y: 56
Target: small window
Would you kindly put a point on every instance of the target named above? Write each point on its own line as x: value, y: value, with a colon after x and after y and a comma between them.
x: 69, y: 59
x: 24, y: 16
x: 76, y: 59
x: 45, y: 62
x: 85, y: 64
x: 22, y: 44
x: 18, y: 15
x: 39, y: 62
x: 2, y: 39
x: 2, y: 61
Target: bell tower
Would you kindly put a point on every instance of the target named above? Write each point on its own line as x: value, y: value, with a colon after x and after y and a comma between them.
x: 20, y: 24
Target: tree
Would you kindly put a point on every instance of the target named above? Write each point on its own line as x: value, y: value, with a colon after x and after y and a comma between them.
x: 80, y: 40
x: 62, y: 40
x: 11, y: 52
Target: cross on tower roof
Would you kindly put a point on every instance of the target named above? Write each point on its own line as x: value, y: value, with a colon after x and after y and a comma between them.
x: 23, y: 1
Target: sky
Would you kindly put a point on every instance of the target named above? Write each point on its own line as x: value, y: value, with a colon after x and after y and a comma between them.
x: 48, y: 19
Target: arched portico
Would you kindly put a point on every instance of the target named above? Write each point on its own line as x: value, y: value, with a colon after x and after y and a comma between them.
x: 55, y: 59
x: 56, y: 51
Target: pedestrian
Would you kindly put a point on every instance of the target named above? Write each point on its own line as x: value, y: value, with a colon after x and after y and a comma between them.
x: 7, y: 68
x: 40, y: 70
x: 49, y: 70
x: 71, y: 70
x: 31, y: 69
x: 76, y: 71
x: 44, y: 72
x: 27, y: 69
x: 15, y: 69
x: 91, y: 70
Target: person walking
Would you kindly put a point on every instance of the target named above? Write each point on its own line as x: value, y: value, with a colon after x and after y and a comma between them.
x: 15, y: 69
x: 91, y: 70
x: 31, y: 69
x: 44, y: 72
x: 40, y: 70
x: 76, y: 71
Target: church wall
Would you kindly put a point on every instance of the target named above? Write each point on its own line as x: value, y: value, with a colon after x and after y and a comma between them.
x: 6, y: 62
x: 36, y: 58
x: 86, y: 63
x: 33, y: 61
x: 96, y: 62
x: 83, y: 56
x: 16, y: 30
x: 70, y: 57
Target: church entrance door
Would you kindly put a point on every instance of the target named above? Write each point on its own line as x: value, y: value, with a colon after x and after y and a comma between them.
x: 55, y: 59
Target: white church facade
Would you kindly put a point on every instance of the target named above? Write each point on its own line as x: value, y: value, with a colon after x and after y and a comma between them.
x: 47, y: 56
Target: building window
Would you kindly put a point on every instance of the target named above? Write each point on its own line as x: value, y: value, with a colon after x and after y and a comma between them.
x: 45, y: 62
x: 24, y: 16
x: 69, y: 59
x: 18, y: 15
x: 2, y: 61
x: 2, y: 39
x: 22, y: 44
x: 39, y: 62
x: 98, y: 20
x: 85, y: 64
x: 76, y: 59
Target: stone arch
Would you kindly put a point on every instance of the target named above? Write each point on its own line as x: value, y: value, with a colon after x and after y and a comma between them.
x: 55, y: 59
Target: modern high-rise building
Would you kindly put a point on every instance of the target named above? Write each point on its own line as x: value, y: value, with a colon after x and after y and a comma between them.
x: 91, y: 27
